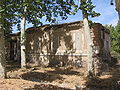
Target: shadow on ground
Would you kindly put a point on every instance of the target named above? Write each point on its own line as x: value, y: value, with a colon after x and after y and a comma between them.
x: 46, y: 87
x: 48, y: 75
x: 12, y: 66
x: 65, y: 71
x: 110, y: 81
x: 40, y: 77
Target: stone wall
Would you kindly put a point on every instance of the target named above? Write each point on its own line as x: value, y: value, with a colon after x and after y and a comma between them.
x: 57, y: 45
x: 60, y: 45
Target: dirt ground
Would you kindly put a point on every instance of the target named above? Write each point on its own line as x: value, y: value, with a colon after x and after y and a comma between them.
x: 57, y: 79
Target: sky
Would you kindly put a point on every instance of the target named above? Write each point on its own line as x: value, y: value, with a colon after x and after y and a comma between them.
x: 108, y: 15
x: 107, y: 11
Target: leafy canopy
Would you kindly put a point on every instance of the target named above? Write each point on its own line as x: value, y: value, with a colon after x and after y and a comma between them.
x: 87, y: 8
x: 37, y: 9
x: 115, y: 37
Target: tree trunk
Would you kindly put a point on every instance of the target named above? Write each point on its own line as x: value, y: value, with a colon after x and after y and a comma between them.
x: 90, y: 48
x: 90, y: 63
x: 117, y: 4
x: 2, y: 53
x: 23, y: 40
x: 2, y: 47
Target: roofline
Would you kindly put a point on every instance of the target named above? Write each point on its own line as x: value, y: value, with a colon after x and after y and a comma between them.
x: 49, y: 25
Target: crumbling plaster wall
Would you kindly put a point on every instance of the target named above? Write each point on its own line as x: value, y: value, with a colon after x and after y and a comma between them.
x: 61, y: 45
x: 56, y: 45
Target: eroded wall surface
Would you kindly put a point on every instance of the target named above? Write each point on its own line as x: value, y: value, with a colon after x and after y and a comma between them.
x: 61, y: 45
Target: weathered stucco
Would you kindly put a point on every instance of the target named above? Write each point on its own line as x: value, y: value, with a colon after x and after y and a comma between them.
x: 60, y: 45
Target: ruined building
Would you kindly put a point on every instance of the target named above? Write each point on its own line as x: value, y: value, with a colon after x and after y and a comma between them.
x: 60, y: 45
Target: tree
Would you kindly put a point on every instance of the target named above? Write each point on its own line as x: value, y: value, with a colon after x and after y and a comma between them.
x: 112, y: 34
x: 7, y: 20
x: 117, y: 4
x: 23, y: 38
x: 2, y: 44
x: 87, y: 10
x: 115, y: 37
x: 33, y: 10
x: 116, y: 43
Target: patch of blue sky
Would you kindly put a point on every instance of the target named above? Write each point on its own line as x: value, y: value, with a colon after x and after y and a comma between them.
x: 107, y: 11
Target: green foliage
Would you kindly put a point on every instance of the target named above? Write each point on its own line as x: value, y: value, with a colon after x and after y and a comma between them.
x: 37, y: 9
x: 87, y: 8
x: 115, y: 37
x: 7, y: 16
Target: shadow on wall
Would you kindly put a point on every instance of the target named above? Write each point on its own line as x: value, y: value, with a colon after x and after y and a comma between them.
x: 37, y: 41
x: 49, y: 46
x: 61, y: 45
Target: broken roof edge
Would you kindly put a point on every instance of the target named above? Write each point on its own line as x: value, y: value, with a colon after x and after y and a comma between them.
x: 48, y: 25
x: 102, y: 27
x: 54, y: 25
